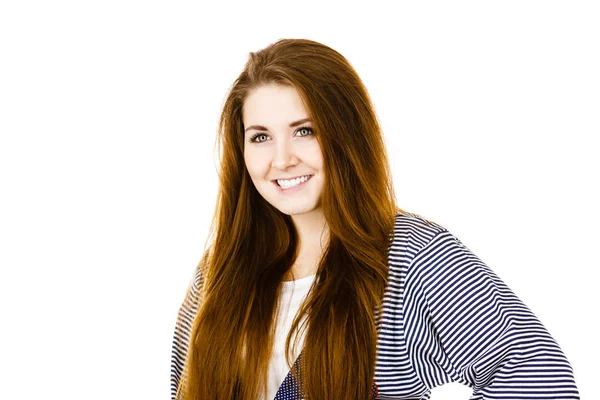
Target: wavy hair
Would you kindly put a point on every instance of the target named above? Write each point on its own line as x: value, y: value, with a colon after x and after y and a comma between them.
x: 253, y: 245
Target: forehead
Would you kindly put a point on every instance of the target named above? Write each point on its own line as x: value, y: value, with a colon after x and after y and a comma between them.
x: 274, y: 105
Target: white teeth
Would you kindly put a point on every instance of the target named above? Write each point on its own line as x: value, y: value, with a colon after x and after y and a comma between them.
x: 293, y: 182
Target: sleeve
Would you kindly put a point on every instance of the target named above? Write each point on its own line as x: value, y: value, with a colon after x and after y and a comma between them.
x: 463, y: 324
x: 183, y: 327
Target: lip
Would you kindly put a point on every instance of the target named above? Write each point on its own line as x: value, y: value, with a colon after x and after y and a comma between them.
x: 292, y: 189
x: 288, y: 179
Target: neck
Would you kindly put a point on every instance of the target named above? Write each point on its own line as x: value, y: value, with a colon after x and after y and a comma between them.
x: 313, y: 233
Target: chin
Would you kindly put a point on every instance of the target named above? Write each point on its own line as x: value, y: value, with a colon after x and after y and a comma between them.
x: 291, y: 209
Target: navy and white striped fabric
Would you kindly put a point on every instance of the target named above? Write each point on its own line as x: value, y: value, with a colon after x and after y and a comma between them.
x: 446, y: 317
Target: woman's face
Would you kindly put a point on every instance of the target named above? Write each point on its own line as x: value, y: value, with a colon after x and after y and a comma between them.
x: 279, y: 143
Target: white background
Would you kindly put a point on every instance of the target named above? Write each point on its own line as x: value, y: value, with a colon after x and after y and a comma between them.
x: 108, y: 179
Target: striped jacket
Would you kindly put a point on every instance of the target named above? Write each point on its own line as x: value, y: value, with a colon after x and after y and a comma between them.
x: 446, y: 317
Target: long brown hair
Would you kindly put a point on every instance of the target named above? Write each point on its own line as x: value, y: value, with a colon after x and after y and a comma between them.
x: 253, y: 245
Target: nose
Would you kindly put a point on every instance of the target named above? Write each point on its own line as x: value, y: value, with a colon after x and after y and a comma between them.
x: 284, y: 155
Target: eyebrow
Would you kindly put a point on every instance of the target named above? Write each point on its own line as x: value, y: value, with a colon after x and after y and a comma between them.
x: 262, y: 128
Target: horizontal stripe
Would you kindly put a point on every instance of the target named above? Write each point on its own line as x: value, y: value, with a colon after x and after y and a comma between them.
x: 446, y: 317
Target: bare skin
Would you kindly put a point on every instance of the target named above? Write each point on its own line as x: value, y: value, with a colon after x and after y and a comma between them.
x: 314, y: 235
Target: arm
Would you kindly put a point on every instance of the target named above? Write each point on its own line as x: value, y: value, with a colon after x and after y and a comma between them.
x: 183, y: 328
x: 464, y: 324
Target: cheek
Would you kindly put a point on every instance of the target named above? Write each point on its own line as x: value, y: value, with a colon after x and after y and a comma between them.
x: 311, y: 154
x: 315, y: 158
x: 255, y: 164
x: 250, y: 160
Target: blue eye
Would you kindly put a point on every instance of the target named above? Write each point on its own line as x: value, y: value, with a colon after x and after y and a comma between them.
x: 256, y: 135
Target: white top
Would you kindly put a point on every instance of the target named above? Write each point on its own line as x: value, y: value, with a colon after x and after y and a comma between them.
x: 293, y: 294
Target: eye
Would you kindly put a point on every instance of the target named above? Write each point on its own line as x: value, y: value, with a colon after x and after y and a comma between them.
x: 305, y: 128
x: 254, y: 137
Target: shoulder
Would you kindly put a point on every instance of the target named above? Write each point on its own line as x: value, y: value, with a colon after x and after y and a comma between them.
x: 418, y: 222
x: 412, y: 232
x: 421, y: 246
x: 426, y: 253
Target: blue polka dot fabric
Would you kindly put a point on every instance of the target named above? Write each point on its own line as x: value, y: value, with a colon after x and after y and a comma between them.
x: 290, y: 390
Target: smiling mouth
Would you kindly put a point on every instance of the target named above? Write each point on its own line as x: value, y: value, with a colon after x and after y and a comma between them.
x: 282, y: 188
x: 291, y: 179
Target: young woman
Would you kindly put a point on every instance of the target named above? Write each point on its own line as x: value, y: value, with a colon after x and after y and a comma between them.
x: 316, y: 285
